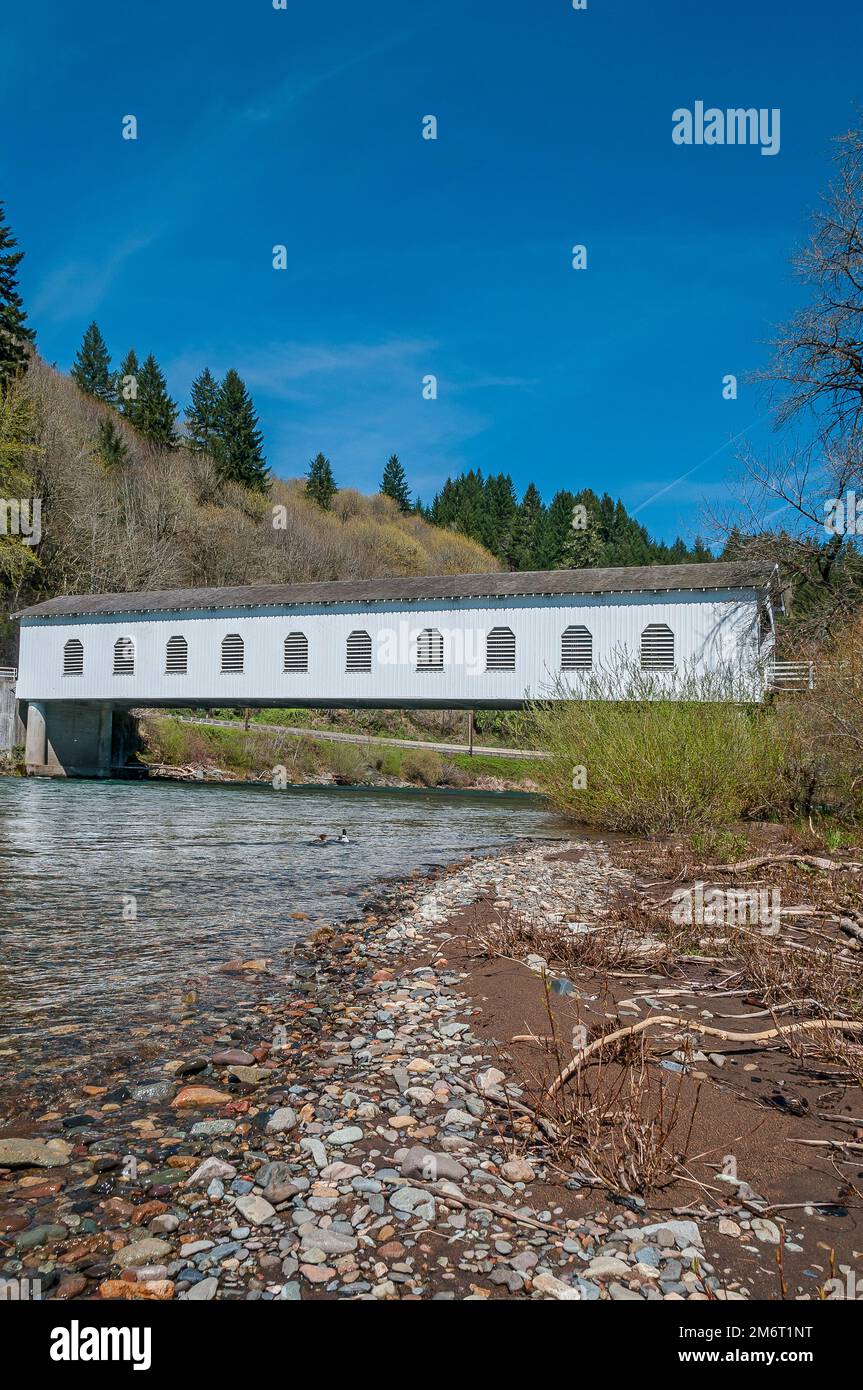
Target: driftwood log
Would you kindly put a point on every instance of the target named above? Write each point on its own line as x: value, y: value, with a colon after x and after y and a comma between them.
x: 675, y: 1020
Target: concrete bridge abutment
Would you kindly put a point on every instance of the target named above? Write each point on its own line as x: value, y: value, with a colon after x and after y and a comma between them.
x: 68, y: 739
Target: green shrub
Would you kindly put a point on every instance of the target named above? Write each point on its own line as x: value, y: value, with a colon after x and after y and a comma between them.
x: 346, y: 761
x: 650, y: 763
x: 423, y: 766
x: 387, y: 761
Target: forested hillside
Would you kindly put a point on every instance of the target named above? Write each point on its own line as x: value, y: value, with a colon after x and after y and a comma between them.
x: 527, y: 534
x: 131, y: 515
x: 107, y: 484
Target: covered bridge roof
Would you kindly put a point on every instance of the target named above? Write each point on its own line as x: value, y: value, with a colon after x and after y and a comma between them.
x: 720, y: 574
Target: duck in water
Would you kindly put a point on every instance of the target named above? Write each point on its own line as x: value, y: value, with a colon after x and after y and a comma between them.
x: 343, y: 838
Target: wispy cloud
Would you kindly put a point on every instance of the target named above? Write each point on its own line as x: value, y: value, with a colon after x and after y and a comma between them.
x: 357, y: 401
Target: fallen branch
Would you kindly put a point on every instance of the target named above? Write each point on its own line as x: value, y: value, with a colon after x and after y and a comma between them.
x: 816, y: 861
x: 828, y: 1144
x: 680, y: 1022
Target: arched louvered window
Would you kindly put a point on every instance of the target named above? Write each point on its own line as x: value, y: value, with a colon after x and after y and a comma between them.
x: 124, y: 657
x: 500, y: 649
x: 576, y: 649
x: 232, y: 654
x: 430, y: 650
x: 296, y: 652
x: 657, y: 648
x: 359, y: 652
x: 176, y: 656
x: 73, y: 658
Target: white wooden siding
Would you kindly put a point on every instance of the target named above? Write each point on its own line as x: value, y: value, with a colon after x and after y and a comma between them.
x: 711, y: 630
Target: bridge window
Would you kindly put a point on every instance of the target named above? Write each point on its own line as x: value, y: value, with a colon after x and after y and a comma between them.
x: 430, y: 650
x: 500, y: 649
x: 124, y: 657
x: 232, y: 654
x: 359, y: 652
x: 576, y: 649
x: 657, y: 648
x: 176, y: 656
x: 296, y: 652
x: 73, y: 658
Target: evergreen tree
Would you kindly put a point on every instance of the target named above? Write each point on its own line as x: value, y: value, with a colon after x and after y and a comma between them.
x: 320, y: 483
x: 394, y: 484
x: 555, y: 531
x: 700, y: 554
x: 501, y: 507
x: 127, y: 388
x: 110, y: 444
x: 528, y: 525
x: 156, y: 413
x: 15, y: 336
x: 240, y: 442
x: 92, y: 366
x: 202, y: 416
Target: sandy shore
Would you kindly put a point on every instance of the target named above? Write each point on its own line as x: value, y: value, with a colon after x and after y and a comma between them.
x: 360, y: 1125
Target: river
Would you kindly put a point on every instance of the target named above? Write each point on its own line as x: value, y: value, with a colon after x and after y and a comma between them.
x: 120, y: 900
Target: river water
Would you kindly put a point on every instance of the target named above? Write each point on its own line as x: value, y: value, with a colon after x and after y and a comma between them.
x: 118, y: 899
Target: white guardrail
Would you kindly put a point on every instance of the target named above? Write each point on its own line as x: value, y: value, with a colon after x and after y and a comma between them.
x: 791, y: 675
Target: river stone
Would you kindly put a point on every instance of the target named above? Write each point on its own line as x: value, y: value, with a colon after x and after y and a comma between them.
x: 34, y: 1153
x: 328, y: 1242
x: 256, y: 1210
x: 682, y: 1233
x: 199, y: 1096
x: 517, y: 1170
x: 278, y: 1181
x: 146, y: 1251
x: 251, y: 1076
x: 413, y: 1201
x: 351, y: 1135
x: 211, y: 1168
x: 154, y: 1090
x: 280, y: 1120
x: 203, y: 1291
x: 317, y: 1151
x: 607, y: 1267
x: 233, y: 1057
x: 555, y: 1288
x: 419, y: 1162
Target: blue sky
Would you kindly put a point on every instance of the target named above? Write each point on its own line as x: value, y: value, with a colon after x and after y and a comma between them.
x: 409, y: 257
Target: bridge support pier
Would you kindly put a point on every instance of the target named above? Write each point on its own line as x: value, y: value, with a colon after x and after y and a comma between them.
x: 65, y: 739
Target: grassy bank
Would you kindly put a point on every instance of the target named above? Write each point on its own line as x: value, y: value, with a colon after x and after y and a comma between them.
x: 703, y: 760
x: 260, y: 754
x: 493, y: 728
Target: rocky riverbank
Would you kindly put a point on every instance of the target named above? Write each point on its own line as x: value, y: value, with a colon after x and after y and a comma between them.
x: 359, y: 1126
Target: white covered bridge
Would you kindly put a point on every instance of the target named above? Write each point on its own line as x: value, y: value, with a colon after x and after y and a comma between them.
x: 473, y: 641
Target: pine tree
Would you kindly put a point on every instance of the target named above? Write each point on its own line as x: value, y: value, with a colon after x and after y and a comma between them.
x: 15, y: 336
x: 320, y: 483
x: 110, y: 445
x: 394, y: 484
x: 156, y: 415
x: 202, y: 416
x: 240, y: 441
x: 126, y: 387
x: 92, y: 367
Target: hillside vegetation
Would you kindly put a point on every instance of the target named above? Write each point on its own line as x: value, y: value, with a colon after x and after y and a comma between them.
x: 161, y: 519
